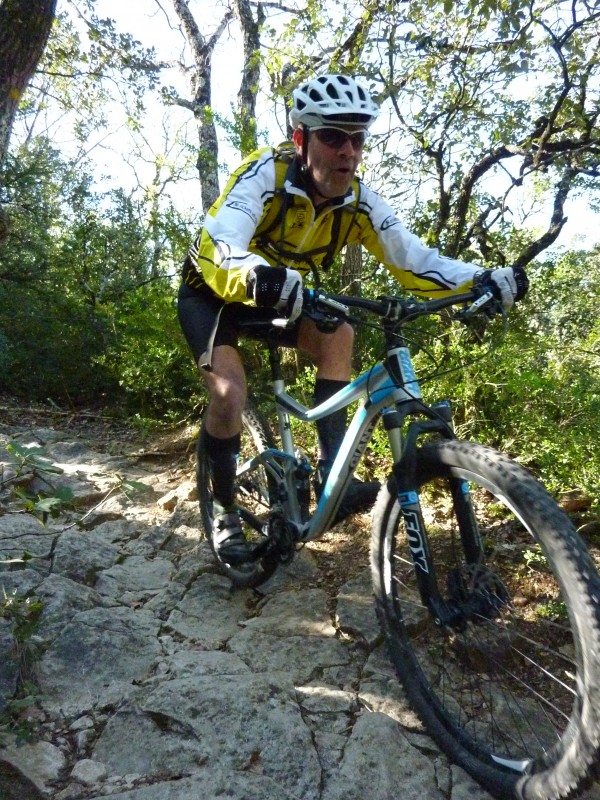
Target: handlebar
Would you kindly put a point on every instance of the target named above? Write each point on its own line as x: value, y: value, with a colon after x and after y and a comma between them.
x: 396, y: 309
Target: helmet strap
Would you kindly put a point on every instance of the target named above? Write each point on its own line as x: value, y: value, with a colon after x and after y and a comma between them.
x: 308, y: 181
x: 305, y: 135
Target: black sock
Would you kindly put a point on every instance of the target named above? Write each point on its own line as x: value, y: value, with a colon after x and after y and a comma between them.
x: 332, y: 429
x: 222, y: 463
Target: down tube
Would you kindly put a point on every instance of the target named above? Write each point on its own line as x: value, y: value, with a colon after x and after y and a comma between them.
x: 383, y: 393
x: 357, y: 437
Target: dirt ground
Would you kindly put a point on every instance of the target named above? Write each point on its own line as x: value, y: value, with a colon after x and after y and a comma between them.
x: 341, y: 553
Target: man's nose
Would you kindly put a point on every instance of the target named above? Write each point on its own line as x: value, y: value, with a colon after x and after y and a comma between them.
x: 346, y: 148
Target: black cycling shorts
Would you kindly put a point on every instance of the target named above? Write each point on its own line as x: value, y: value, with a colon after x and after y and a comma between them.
x: 207, y: 321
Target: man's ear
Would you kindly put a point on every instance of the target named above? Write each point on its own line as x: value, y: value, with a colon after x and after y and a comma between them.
x: 298, y: 139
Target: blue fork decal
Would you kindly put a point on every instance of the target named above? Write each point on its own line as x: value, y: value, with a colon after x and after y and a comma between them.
x: 408, y: 498
x: 409, y: 502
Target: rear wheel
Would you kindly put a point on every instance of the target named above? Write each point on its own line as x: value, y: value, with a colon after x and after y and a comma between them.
x: 255, y: 492
x: 509, y: 686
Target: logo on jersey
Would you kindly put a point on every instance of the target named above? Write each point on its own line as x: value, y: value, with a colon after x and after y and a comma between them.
x: 299, y: 219
x: 242, y: 207
x: 389, y: 222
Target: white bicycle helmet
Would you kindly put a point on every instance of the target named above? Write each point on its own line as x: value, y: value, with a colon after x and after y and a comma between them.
x: 332, y: 100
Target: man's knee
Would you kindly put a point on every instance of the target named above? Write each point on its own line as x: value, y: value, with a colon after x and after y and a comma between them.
x: 345, y: 336
x: 337, y: 346
x: 227, y: 392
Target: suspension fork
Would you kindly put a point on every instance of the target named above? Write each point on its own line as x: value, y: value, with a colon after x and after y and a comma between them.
x: 405, y: 473
x: 461, y: 499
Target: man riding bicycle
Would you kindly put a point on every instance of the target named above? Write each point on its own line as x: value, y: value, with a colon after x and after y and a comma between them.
x: 285, y: 214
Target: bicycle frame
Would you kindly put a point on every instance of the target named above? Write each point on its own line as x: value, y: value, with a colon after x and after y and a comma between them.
x: 390, y: 389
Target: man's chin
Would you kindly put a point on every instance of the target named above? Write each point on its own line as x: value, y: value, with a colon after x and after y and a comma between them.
x: 337, y: 188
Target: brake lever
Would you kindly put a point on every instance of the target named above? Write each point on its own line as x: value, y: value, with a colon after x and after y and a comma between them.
x: 326, y: 313
x: 335, y: 306
x: 327, y: 318
x: 478, y: 304
x: 486, y: 304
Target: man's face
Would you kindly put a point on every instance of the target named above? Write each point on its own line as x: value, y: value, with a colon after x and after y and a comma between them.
x: 332, y: 159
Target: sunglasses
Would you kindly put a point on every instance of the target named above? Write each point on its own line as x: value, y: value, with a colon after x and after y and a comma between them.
x: 336, y: 139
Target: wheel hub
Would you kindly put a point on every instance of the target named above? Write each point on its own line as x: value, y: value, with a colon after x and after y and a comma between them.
x: 477, y: 592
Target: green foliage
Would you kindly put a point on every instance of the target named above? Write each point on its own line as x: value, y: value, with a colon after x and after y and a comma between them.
x: 552, y: 609
x: 534, y: 392
x: 44, y: 505
x: 132, y: 489
x: 77, y: 72
x: 49, y: 337
x: 29, y: 462
x: 50, y: 331
x: 86, y: 301
x: 305, y: 435
x: 22, y: 613
x: 490, y: 110
x: 534, y: 557
x: 537, y: 396
x: 149, y: 355
x: 5, y: 355
x: 31, y: 459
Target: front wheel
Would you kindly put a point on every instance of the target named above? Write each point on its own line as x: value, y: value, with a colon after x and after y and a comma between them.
x: 255, y: 492
x: 509, y: 685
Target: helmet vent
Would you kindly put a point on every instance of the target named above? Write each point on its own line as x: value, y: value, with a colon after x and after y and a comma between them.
x: 332, y: 99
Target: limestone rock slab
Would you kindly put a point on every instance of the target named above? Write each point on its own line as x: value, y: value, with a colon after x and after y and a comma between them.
x: 380, y: 764
x: 99, y: 652
x: 228, y: 724
x: 210, y: 613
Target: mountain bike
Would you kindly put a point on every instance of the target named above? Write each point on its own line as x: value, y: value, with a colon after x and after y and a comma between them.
x: 487, y: 596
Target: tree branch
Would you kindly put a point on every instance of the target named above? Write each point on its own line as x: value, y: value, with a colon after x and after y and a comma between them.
x: 557, y: 221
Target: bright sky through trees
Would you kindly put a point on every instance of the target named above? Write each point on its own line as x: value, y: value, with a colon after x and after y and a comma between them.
x: 125, y: 152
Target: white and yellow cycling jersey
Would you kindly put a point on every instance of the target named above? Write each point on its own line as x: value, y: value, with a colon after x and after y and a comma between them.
x: 264, y: 216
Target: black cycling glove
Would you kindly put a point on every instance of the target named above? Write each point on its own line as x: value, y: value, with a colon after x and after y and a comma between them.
x: 276, y: 287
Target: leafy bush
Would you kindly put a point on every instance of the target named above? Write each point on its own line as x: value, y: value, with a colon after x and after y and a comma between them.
x: 149, y: 356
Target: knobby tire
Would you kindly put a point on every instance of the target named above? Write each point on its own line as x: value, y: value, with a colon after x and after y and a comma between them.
x: 513, y: 693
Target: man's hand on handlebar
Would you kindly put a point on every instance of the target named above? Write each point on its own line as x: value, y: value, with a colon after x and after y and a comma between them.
x: 509, y: 284
x: 481, y: 300
x: 276, y: 287
x: 494, y: 291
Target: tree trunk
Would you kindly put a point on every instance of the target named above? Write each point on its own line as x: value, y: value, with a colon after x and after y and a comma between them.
x: 24, y: 30
x: 201, y: 103
x: 250, y: 74
x: 350, y: 277
x: 351, y: 271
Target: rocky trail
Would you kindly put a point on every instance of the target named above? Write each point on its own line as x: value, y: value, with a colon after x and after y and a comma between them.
x: 142, y: 675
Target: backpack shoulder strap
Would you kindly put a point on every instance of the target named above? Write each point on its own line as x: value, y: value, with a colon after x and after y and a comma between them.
x: 277, y: 206
x: 343, y: 221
